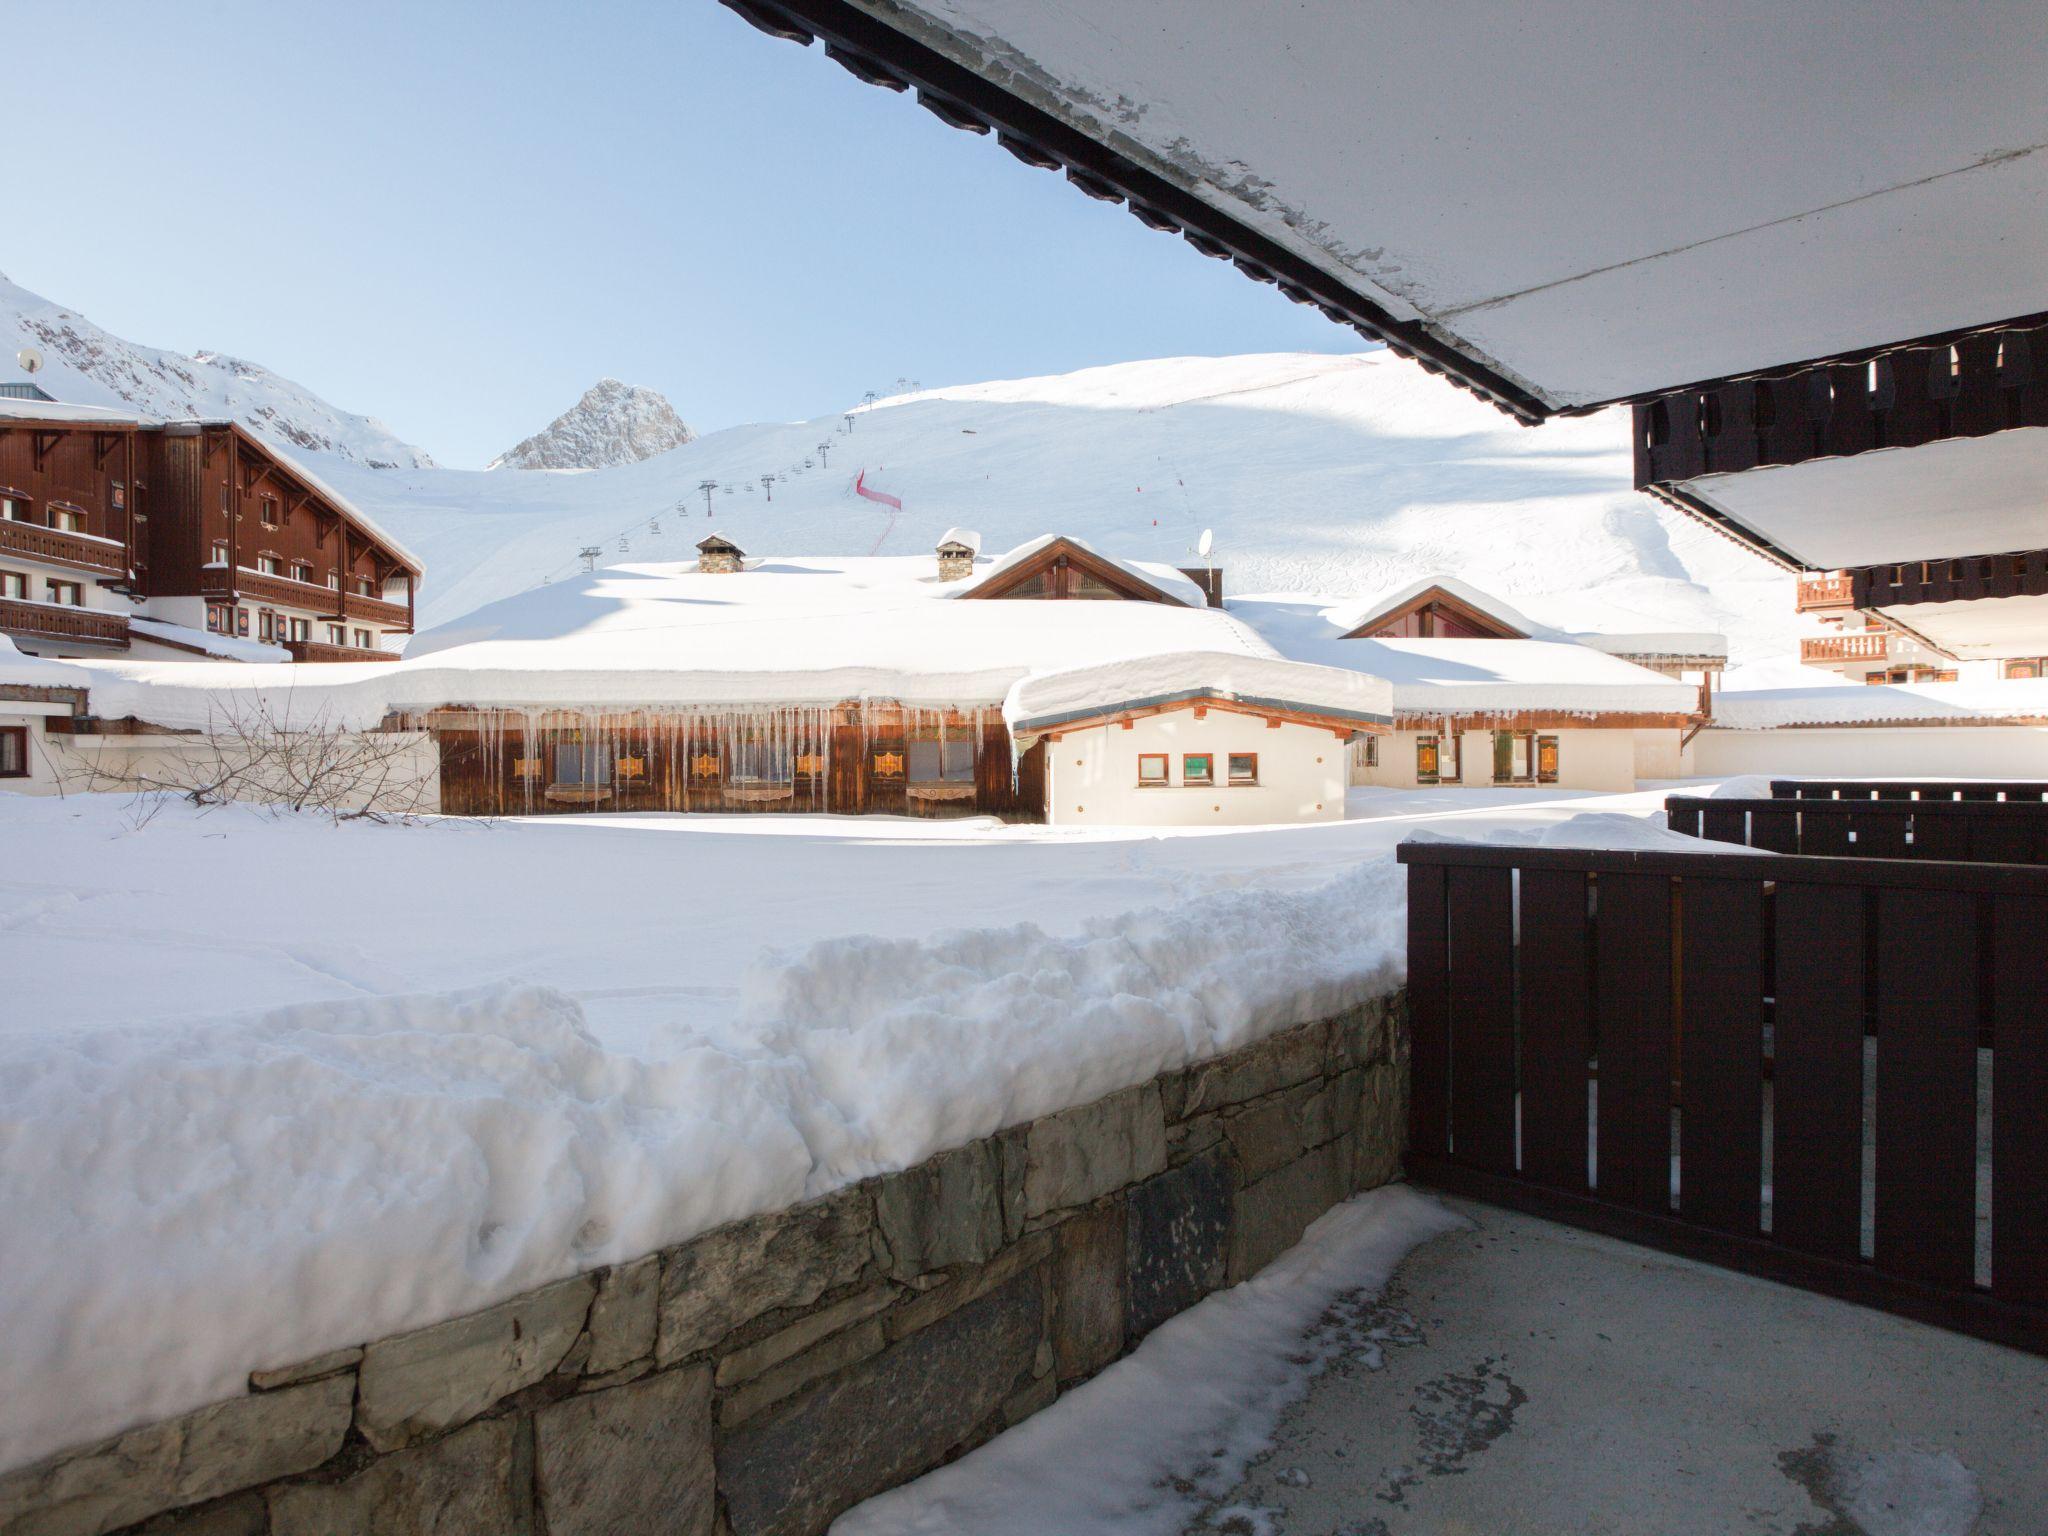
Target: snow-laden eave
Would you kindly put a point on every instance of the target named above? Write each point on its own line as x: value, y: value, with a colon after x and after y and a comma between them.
x: 1037, y: 725
x: 1165, y: 580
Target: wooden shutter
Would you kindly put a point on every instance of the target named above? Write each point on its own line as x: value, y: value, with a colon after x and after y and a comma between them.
x: 1546, y: 759
x: 1426, y: 760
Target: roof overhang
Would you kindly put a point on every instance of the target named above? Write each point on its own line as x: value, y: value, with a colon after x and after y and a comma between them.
x: 1342, y: 722
x: 1561, y: 206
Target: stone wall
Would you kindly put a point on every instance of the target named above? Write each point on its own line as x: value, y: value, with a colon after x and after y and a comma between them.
x: 767, y: 1375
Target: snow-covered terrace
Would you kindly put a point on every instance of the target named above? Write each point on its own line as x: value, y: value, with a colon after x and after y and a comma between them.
x: 2016, y: 702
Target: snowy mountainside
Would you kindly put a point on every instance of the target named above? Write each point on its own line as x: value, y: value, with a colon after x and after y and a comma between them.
x: 1339, y: 477
x: 85, y: 365
x: 613, y: 423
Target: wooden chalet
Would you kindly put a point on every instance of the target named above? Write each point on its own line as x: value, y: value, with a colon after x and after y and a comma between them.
x: 119, y: 532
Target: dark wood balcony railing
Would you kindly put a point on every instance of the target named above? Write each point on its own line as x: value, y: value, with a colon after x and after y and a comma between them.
x: 376, y: 610
x: 324, y: 601
x: 1969, y: 831
x: 1864, y: 645
x: 1984, y: 383
x: 2025, y: 790
x: 54, y: 546
x: 1723, y: 1002
x: 1818, y: 593
x: 59, y: 621
x: 1962, y: 580
x: 320, y: 650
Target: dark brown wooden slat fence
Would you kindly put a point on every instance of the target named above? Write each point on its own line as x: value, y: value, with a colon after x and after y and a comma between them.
x: 1743, y: 1025
x: 1909, y: 789
x: 1969, y: 831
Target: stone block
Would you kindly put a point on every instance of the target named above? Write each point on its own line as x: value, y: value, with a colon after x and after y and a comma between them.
x: 1026, y: 1401
x: 1382, y: 1127
x: 637, y: 1459
x: 472, y: 1483
x: 1359, y: 1038
x: 1088, y: 1291
x: 202, y: 1455
x: 735, y: 1273
x: 1291, y: 1057
x: 242, y: 1515
x: 421, y: 1383
x: 1079, y: 1154
x: 333, y: 1363
x: 791, y: 1471
x: 1176, y: 1241
x: 921, y: 1311
x: 946, y: 1211
x: 792, y: 1376
x: 622, y: 1318
x: 1012, y: 1155
x: 1271, y: 1215
x: 1273, y: 1131
x: 752, y: 1359
x: 1191, y: 1138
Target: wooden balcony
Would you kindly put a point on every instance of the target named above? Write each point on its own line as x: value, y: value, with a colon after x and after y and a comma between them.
x: 1819, y: 593
x: 59, y: 621
x: 1834, y: 650
x: 320, y: 650
x: 53, y: 546
x: 375, y: 610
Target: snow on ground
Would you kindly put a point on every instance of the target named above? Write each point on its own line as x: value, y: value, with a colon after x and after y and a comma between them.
x: 294, y: 1086
x: 1166, y: 1431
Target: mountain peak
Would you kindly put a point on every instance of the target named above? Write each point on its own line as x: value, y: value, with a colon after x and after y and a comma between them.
x: 614, y: 423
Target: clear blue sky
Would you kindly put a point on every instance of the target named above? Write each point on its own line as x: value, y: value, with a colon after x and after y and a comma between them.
x: 456, y: 216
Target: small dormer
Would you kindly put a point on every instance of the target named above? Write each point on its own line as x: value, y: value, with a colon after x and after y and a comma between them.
x: 719, y: 556
x: 957, y: 551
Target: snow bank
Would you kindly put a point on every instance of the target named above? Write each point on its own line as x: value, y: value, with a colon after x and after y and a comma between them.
x: 180, y: 1206
x: 1143, y: 1447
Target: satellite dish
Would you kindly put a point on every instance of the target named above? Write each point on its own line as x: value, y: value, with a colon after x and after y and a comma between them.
x: 30, y: 359
x: 1206, y: 542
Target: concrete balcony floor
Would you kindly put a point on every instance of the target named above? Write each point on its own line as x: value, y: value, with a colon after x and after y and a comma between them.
x: 1532, y: 1378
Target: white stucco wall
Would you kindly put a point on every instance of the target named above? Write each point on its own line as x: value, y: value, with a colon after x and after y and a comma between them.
x: 1593, y: 758
x: 1875, y: 752
x: 42, y: 765
x: 1092, y: 774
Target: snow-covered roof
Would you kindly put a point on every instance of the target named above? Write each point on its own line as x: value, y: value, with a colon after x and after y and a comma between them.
x: 1491, y: 676
x: 965, y: 538
x: 56, y: 410
x: 809, y: 631
x: 1047, y: 700
x: 1165, y: 578
x: 1388, y: 603
x: 1672, y: 645
x: 27, y: 671
x: 1764, y: 709
x: 1468, y: 676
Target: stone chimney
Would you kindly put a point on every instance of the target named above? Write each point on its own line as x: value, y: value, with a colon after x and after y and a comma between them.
x: 957, y: 550
x: 718, y: 555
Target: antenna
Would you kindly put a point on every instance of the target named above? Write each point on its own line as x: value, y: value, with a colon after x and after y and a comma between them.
x: 30, y: 359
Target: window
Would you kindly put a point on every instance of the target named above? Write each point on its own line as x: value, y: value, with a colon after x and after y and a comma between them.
x: 334, y: 581
x: 1546, y: 759
x: 758, y: 760
x: 1197, y: 768
x: 13, y: 584
x: 268, y: 511
x: 67, y: 519
x: 302, y: 572
x: 1244, y: 767
x: 13, y: 751
x: 582, y: 763
x: 942, y: 761
x: 218, y: 621
x: 69, y: 593
x: 270, y: 565
x: 298, y: 629
x: 266, y: 624
x: 1081, y: 584
x: 365, y: 587
x: 220, y: 552
x: 13, y: 509
x: 365, y: 641
x: 1151, y: 770
x: 1514, y: 757
x: 1372, y: 751
x: 337, y: 635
